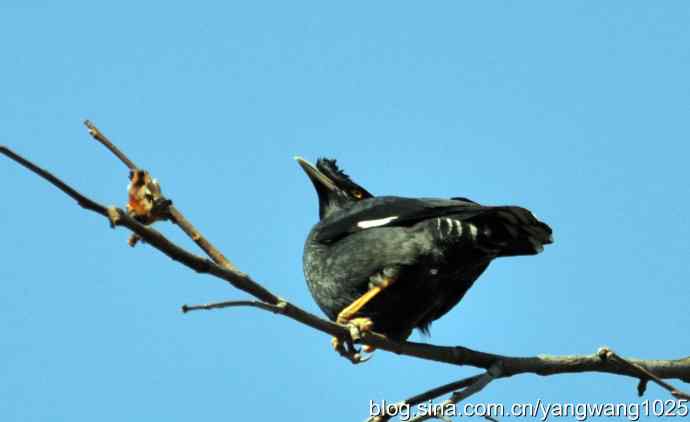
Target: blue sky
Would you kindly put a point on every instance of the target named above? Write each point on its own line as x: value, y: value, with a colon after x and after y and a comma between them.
x: 577, y: 110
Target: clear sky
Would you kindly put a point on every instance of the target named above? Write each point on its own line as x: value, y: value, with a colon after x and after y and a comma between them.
x: 578, y: 110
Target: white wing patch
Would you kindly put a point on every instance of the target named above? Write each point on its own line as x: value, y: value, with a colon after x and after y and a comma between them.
x: 367, y: 224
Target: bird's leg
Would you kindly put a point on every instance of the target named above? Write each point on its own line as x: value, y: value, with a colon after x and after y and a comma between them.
x: 377, y: 283
x: 359, y: 325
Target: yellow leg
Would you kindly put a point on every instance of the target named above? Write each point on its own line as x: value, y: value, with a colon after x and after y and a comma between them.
x: 360, y: 324
x: 346, y: 314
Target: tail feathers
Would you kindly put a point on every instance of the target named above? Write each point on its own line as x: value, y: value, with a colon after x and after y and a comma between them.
x: 513, y: 231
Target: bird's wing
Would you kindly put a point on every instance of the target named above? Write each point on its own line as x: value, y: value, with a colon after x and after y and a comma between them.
x: 392, y: 211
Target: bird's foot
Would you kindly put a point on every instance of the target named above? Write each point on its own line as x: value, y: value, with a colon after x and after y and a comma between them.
x: 346, y: 347
x: 358, y: 326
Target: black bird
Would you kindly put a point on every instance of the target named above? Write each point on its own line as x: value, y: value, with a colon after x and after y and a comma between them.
x: 392, y: 264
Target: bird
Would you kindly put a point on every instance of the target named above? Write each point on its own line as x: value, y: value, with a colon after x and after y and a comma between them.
x: 393, y: 264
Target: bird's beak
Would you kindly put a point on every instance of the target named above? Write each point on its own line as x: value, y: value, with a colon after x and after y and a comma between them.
x: 320, y: 181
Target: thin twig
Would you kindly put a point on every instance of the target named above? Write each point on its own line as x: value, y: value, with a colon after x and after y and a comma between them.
x: 82, y: 200
x: 444, y: 389
x: 478, y: 385
x: 214, y: 253
x: 175, y: 215
x: 100, y: 137
x: 277, y: 309
x: 427, y: 395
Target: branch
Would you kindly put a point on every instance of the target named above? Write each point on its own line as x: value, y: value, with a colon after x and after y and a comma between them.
x: 276, y: 309
x: 644, y: 374
x: 425, y: 396
x: 82, y: 200
x: 118, y: 217
x: 511, y: 365
x: 474, y: 384
x: 541, y: 365
x: 100, y: 137
x: 473, y: 388
x: 544, y: 365
x: 175, y: 215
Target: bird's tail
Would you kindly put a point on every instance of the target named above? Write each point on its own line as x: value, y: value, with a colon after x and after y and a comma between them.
x: 512, y: 231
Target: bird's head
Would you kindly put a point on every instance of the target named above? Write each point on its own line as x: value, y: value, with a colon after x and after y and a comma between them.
x: 334, y: 188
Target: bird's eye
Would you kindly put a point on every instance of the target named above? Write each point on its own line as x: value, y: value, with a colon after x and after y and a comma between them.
x: 357, y: 194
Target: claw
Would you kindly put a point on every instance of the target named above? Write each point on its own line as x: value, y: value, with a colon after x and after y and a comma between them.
x: 349, y: 351
x: 346, y: 347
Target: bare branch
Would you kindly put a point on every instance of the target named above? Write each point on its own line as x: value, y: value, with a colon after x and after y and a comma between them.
x: 214, y: 253
x: 425, y: 396
x: 541, y: 365
x: 118, y: 217
x: 473, y: 388
x: 175, y: 215
x: 444, y: 389
x: 100, y: 137
x: 645, y: 375
x: 82, y: 200
x: 277, y: 309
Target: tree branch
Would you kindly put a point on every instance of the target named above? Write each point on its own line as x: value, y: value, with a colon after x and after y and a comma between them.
x: 425, y: 396
x: 276, y: 309
x: 82, y: 200
x: 472, y: 388
x: 175, y: 215
x: 100, y: 137
x: 643, y: 373
x: 458, y: 355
